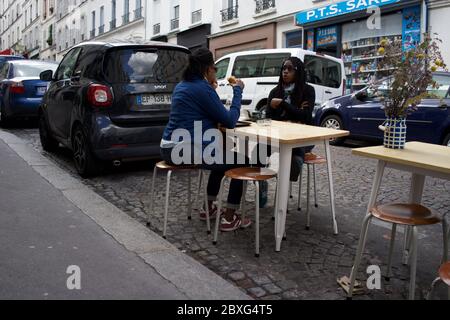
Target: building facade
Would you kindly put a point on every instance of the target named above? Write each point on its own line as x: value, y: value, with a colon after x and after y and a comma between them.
x: 11, y: 26
x: 438, y: 14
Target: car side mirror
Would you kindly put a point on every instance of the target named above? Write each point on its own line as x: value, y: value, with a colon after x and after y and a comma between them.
x: 361, y: 96
x: 46, y: 75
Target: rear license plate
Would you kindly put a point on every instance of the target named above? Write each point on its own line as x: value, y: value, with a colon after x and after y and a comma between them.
x: 154, y: 99
x: 41, y: 90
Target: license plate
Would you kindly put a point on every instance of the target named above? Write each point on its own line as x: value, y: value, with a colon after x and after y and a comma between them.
x: 41, y: 90
x: 154, y: 99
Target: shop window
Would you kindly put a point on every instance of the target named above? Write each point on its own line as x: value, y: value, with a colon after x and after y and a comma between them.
x: 322, y: 71
x: 248, y: 66
x: 273, y: 63
x: 294, y: 39
x: 222, y: 68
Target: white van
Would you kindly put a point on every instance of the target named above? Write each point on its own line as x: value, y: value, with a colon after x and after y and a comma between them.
x: 260, y: 70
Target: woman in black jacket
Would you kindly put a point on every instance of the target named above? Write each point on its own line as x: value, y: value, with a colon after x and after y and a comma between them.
x: 293, y: 100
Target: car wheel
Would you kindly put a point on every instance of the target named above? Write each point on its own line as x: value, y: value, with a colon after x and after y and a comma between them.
x: 4, y: 119
x: 333, y: 122
x: 48, y: 143
x: 85, y: 162
x: 447, y: 140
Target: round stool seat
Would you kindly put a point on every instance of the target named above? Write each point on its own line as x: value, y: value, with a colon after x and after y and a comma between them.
x: 444, y: 273
x: 251, y: 174
x: 405, y: 214
x: 311, y: 158
x: 165, y: 166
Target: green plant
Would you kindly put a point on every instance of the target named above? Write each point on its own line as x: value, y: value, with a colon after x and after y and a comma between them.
x: 413, y: 73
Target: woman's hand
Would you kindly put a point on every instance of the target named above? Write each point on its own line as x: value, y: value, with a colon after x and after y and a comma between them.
x: 239, y: 83
x: 275, y: 103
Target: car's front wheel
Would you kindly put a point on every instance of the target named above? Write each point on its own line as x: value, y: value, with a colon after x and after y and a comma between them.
x: 85, y: 162
x: 48, y: 143
x: 333, y: 122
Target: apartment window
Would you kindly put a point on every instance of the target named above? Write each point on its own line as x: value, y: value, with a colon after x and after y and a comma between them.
x: 263, y: 5
x: 196, y: 12
x: 37, y: 6
x: 156, y: 28
x: 126, y: 10
x: 231, y: 10
x: 101, y: 28
x: 93, y: 25
x: 31, y: 13
x: 113, y: 15
x: 138, y: 11
x: 175, y: 23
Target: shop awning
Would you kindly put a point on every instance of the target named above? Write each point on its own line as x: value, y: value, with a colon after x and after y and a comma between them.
x: 346, y: 10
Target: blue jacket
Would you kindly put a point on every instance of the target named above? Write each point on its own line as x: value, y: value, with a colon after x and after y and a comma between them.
x: 197, y: 101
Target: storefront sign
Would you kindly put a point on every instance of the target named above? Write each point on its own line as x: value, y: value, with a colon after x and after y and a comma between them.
x: 327, y: 36
x: 411, y: 27
x: 338, y: 9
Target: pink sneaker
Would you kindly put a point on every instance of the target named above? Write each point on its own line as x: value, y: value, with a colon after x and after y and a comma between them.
x: 227, y: 226
x: 245, y: 223
x: 212, y: 213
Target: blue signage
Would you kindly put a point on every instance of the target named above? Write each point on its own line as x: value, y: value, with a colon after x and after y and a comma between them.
x: 327, y: 36
x: 337, y: 9
x: 411, y: 27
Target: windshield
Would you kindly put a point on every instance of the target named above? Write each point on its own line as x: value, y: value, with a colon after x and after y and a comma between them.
x: 145, y: 65
x: 32, y: 70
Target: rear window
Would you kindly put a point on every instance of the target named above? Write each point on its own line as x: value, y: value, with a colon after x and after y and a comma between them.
x: 443, y: 90
x: 145, y: 66
x: 32, y: 70
x: 322, y: 71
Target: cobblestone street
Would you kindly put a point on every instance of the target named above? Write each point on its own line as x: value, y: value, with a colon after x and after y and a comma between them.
x: 310, y: 261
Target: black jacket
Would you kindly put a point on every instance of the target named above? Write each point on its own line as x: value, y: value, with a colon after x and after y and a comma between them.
x: 293, y: 112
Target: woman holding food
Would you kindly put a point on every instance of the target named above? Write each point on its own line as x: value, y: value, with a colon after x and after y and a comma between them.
x: 195, y: 100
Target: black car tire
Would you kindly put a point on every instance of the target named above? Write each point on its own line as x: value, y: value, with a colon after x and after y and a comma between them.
x: 447, y: 140
x: 4, y: 119
x: 335, y: 122
x: 85, y: 162
x: 48, y: 143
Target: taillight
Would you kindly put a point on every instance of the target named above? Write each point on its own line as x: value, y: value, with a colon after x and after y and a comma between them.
x: 100, y: 95
x: 17, y: 88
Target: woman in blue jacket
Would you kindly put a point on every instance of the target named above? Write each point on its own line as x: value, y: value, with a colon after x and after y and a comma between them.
x: 195, y: 101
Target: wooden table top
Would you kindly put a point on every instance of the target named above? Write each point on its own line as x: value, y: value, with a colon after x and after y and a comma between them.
x: 289, y: 133
x: 416, y: 154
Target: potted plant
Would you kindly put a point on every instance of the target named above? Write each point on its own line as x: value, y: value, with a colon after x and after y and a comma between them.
x: 411, y: 77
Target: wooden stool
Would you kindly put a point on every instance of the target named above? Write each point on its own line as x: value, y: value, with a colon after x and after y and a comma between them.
x: 171, y: 168
x: 254, y: 175
x: 444, y: 276
x: 408, y: 215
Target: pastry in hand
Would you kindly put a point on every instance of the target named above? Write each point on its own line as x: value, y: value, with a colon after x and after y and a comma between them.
x: 232, y: 80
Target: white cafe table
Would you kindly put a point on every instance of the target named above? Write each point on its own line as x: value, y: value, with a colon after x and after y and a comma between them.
x: 422, y: 160
x: 288, y: 136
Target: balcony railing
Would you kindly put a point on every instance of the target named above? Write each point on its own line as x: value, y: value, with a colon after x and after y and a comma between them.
x: 262, y: 5
x: 126, y: 18
x: 112, y: 24
x: 138, y: 13
x: 229, y: 14
x: 174, y: 24
x: 92, y: 33
x: 156, y: 28
x: 196, y: 16
x: 101, y: 29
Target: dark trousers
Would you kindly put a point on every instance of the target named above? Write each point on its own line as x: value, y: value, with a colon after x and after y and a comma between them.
x: 216, y: 176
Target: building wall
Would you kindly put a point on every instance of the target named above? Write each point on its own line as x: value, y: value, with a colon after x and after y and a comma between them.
x: 11, y: 24
x: 438, y: 22
x: 283, y: 27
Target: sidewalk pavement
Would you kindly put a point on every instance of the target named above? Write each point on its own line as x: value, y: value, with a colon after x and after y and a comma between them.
x: 50, y: 221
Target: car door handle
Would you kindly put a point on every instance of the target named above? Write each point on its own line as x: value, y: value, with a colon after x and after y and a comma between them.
x: 329, y: 92
x: 222, y: 85
x: 443, y: 106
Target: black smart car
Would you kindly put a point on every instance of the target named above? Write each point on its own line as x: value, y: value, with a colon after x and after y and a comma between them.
x: 110, y: 101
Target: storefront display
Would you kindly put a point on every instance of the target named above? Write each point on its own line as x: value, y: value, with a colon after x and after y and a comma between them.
x: 341, y: 30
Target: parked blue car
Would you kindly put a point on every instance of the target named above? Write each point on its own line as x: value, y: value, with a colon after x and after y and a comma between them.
x: 21, y: 90
x: 362, y: 113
